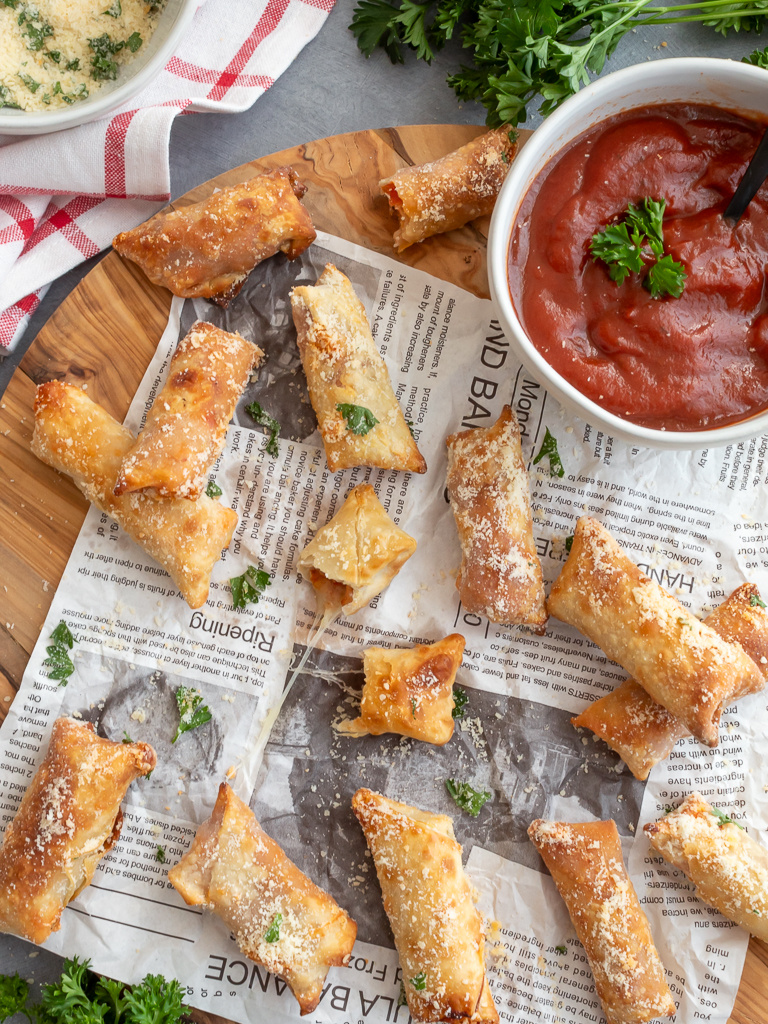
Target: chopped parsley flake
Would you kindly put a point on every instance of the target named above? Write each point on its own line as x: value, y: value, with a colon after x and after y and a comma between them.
x: 272, y: 934
x: 549, y: 451
x: 6, y: 98
x: 160, y: 854
x: 460, y: 701
x: 58, y: 659
x: 724, y: 819
x: 359, y: 419
x: 126, y: 737
x: 213, y: 490
x: 562, y: 950
x: 467, y: 798
x: 265, y: 420
x: 420, y: 981
x: 115, y: 10
x: 192, y: 712
x: 248, y: 588
x: 756, y: 601
x: 413, y: 706
x: 402, y: 999
x: 134, y: 41
x: 568, y: 543
x: 55, y: 55
x: 30, y: 83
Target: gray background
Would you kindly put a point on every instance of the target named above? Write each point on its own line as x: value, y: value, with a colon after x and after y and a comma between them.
x: 332, y: 88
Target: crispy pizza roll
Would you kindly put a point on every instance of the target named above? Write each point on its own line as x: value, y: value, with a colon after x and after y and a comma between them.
x: 500, y: 575
x: 357, y: 413
x: 643, y: 732
x: 80, y: 438
x: 409, y: 691
x: 187, y: 424
x: 278, y: 916
x: 429, y: 901
x: 449, y: 192
x: 681, y: 662
x: 587, y: 866
x: 68, y: 819
x: 727, y: 866
x: 356, y: 554
x: 208, y: 249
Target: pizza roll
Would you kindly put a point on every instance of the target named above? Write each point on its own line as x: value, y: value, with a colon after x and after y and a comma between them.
x: 80, y: 438
x: 68, y: 819
x: 187, y: 424
x: 449, y: 192
x: 727, y: 866
x: 587, y: 866
x: 643, y: 732
x: 681, y: 662
x: 500, y: 575
x: 356, y: 554
x: 429, y: 901
x: 207, y: 250
x: 409, y: 691
x: 278, y: 916
x: 357, y: 413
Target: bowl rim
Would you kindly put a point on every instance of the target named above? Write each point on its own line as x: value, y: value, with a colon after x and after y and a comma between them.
x: 43, y: 122
x: 514, y: 189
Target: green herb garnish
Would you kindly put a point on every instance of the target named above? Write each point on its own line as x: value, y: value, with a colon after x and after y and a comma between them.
x: 624, y: 249
x: 758, y: 57
x: 724, y: 819
x: 568, y: 543
x: 248, y: 588
x: 126, y: 737
x: 36, y: 34
x: 402, y: 999
x: 413, y: 706
x: 73, y: 65
x: 265, y: 420
x: 213, y: 490
x: 467, y: 798
x: 133, y: 42
x: 193, y: 713
x: 30, y: 83
x: 55, y: 55
x: 549, y: 451
x: 410, y: 427
x: 6, y: 98
x: 102, y: 68
x: 160, y: 854
x: 272, y: 934
x: 115, y: 10
x: 666, y: 277
x: 562, y: 950
x: 58, y: 659
x: 13, y: 997
x: 420, y: 981
x: 460, y: 701
x: 756, y: 601
x: 359, y: 419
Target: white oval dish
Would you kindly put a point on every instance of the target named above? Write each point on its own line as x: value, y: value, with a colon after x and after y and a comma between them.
x: 721, y: 83
x: 133, y: 77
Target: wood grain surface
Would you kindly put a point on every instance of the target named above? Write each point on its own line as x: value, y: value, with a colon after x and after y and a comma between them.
x: 104, y: 334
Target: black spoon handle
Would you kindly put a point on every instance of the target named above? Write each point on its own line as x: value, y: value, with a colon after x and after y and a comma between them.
x: 754, y: 176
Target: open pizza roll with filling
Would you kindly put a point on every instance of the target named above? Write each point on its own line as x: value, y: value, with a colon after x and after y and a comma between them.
x: 357, y: 412
x: 643, y: 732
x: 80, y: 438
x: 429, y: 901
x: 727, y: 866
x: 681, y: 662
x: 187, y: 424
x: 409, y: 691
x: 356, y: 554
x: 449, y: 192
x: 208, y: 249
x: 68, y: 819
x: 279, y: 917
x: 500, y: 575
x: 587, y: 866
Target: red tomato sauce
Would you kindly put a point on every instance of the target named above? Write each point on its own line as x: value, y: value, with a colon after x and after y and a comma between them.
x: 692, y: 363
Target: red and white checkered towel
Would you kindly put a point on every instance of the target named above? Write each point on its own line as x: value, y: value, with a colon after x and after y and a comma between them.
x: 63, y: 197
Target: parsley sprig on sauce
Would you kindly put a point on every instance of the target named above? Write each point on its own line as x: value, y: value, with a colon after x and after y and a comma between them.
x: 58, y: 659
x: 468, y: 799
x: 626, y: 247
x: 192, y: 712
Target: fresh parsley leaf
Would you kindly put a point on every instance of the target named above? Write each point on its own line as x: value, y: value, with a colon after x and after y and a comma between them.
x: 73, y: 65
x: 62, y: 635
x: 373, y: 24
x: 756, y: 601
x: 36, y: 33
x: 265, y: 420
x: 58, y: 659
x: 213, y: 490
x: 110, y: 991
x: 562, y: 950
x: 126, y: 737
x: 30, y: 83
x: 272, y: 934
x: 420, y: 981
x: 622, y: 247
x: 55, y: 55
x: 410, y: 427
x: 647, y: 219
x: 133, y: 42
x: 62, y: 1000
x: 155, y: 1001
x: 402, y: 999
x: 618, y: 249
x: 549, y: 451
x: 248, y: 588
x: 460, y: 701
x: 114, y: 10
x: 569, y: 543
x: 6, y: 98
x: 192, y: 712
x: 467, y: 798
x: 160, y: 854
x: 359, y: 419
x: 666, y: 277
x: 758, y: 57
x: 724, y: 819
x: 13, y: 996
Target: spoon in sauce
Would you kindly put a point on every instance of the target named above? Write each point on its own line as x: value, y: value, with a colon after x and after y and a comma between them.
x: 754, y: 176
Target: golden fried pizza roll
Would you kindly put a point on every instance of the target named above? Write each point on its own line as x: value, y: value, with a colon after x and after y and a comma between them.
x: 80, y: 438
x: 449, y: 192
x: 681, y: 662
x: 727, y: 866
x: 500, y: 575
x: 430, y: 905
x: 409, y: 691
x: 356, y: 554
x: 587, y: 866
x: 357, y: 413
x: 278, y: 916
x: 208, y: 249
x: 68, y: 819
x: 643, y: 732
x: 187, y: 424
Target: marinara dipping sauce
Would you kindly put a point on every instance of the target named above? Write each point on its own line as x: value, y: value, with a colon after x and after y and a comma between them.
x: 692, y: 363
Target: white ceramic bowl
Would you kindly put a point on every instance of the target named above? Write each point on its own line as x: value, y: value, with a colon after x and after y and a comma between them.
x: 151, y: 58
x: 721, y: 83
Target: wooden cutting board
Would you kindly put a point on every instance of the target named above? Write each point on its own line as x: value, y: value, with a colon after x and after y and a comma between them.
x: 104, y: 334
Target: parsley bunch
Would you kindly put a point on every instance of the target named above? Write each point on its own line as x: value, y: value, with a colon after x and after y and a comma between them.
x: 82, y: 998
x: 522, y: 50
